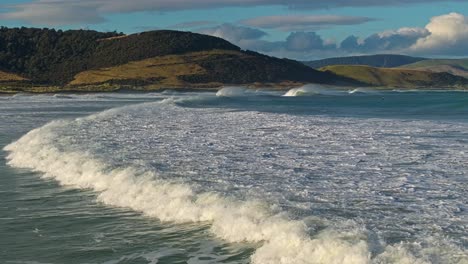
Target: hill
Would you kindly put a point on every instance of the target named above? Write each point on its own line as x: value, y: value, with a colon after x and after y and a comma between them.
x: 90, y: 60
x: 211, y: 68
x: 398, y: 78
x: 453, y: 66
x: 382, y: 60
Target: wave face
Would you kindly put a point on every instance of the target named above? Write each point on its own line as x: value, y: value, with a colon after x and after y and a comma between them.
x: 314, y: 89
x: 232, y: 92
x: 304, y: 188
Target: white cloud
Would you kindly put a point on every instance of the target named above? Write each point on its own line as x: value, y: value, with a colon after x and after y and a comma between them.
x: 235, y: 34
x: 303, y: 22
x: 392, y: 40
x: 444, y: 35
x: 404, y: 32
x: 296, y: 45
x: 306, y: 42
x: 448, y: 36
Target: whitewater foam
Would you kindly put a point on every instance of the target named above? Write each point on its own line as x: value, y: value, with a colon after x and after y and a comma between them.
x: 313, y: 89
x: 233, y: 92
x: 285, y: 241
x: 282, y: 239
x: 364, y: 91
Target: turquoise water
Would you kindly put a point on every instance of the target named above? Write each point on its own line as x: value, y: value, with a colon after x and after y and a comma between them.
x: 318, y: 176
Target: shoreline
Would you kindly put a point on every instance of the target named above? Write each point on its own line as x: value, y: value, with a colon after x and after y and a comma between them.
x: 200, y: 88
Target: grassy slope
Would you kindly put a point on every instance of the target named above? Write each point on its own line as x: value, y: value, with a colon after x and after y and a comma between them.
x: 453, y: 66
x: 163, y: 70
x: 435, y: 62
x: 379, y: 60
x: 399, y: 78
x: 8, y: 82
x: 8, y: 77
x: 201, y: 69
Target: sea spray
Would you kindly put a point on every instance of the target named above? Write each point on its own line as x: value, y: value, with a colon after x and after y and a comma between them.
x: 313, y: 89
x: 366, y: 91
x: 233, y: 92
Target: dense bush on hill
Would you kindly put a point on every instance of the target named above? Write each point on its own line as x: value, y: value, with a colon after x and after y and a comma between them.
x: 48, y: 56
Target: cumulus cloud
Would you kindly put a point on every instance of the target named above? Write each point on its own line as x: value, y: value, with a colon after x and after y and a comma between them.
x: 306, y: 41
x: 350, y: 43
x: 296, y: 45
x: 448, y: 35
x: 235, y: 34
x: 93, y: 11
x: 444, y: 35
x: 303, y: 22
x: 392, y: 40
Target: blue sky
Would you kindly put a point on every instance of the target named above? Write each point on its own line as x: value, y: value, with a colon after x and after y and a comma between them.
x: 300, y: 29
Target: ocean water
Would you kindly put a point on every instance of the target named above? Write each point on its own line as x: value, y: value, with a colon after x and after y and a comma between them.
x: 309, y: 176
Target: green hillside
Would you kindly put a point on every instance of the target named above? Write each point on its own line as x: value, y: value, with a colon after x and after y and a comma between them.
x: 48, y: 56
x: 212, y: 68
x: 453, y: 66
x: 380, y: 60
x: 398, y: 78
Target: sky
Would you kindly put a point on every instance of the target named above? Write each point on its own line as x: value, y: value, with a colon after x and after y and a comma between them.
x: 296, y: 29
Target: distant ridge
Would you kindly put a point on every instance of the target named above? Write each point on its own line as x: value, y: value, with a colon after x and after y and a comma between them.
x: 380, y: 60
x: 398, y: 78
x: 453, y: 66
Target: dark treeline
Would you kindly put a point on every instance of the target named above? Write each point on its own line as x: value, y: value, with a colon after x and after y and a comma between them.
x: 257, y: 67
x: 48, y: 56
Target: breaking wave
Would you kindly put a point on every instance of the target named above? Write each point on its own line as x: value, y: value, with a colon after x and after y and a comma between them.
x: 313, y: 89
x: 364, y: 91
x: 233, y: 92
x: 280, y: 238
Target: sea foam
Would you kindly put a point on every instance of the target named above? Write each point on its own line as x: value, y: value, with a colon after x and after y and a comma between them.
x: 281, y: 239
x: 285, y: 241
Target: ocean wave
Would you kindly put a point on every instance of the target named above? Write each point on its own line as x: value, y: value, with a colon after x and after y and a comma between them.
x: 282, y: 239
x: 313, y: 89
x: 285, y: 241
x: 364, y: 91
x: 233, y: 92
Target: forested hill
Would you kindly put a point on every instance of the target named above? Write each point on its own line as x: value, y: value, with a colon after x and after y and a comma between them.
x: 158, y: 58
x: 380, y: 60
x: 50, y: 56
